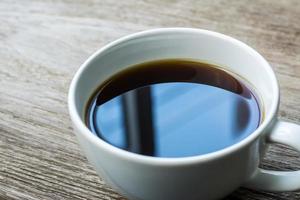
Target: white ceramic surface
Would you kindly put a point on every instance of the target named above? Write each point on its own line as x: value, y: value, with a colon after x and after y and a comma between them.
x: 209, y: 176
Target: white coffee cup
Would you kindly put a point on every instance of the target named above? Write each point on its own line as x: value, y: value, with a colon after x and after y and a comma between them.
x: 209, y: 176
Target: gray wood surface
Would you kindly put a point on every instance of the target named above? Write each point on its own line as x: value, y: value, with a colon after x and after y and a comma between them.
x: 42, y: 44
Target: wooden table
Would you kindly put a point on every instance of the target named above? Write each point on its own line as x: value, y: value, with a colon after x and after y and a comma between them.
x: 42, y: 44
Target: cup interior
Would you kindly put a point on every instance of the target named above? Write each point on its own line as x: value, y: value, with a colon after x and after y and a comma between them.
x: 202, y: 45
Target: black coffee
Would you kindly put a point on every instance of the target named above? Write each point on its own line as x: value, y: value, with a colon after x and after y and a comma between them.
x: 173, y: 108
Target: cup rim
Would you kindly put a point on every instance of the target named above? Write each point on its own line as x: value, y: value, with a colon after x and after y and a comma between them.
x: 165, y: 161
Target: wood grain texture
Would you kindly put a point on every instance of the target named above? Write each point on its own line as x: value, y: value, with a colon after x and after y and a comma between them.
x: 42, y: 44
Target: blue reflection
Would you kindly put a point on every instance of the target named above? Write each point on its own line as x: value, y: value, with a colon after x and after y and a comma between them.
x: 108, y: 122
x: 180, y: 119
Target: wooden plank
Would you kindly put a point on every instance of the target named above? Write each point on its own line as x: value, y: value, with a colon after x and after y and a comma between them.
x: 42, y: 44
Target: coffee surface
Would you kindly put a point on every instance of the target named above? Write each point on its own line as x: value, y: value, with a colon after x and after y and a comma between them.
x: 173, y: 108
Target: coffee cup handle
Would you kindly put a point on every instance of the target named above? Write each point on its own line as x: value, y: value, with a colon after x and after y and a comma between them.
x: 278, y: 181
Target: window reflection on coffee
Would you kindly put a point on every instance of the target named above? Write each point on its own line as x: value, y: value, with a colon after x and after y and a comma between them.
x: 173, y: 108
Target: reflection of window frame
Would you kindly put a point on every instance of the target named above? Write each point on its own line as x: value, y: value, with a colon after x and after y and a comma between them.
x: 138, y: 121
